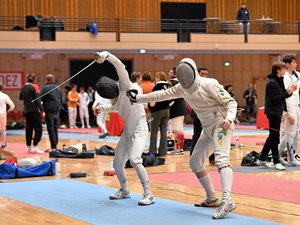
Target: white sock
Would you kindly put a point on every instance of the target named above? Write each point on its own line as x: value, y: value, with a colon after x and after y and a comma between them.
x: 208, y: 187
x: 143, y: 176
x: 226, y: 179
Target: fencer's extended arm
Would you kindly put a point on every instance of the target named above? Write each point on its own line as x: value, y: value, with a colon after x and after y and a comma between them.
x: 159, y: 96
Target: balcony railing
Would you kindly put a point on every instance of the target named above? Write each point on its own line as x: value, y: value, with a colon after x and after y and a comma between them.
x: 118, y: 25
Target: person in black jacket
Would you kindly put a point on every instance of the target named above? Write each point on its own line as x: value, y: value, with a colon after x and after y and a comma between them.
x: 33, y: 112
x: 159, y: 117
x: 52, y: 103
x: 274, y: 106
x: 243, y: 17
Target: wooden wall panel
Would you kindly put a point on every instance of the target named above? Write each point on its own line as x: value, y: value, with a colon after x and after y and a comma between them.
x: 287, y: 10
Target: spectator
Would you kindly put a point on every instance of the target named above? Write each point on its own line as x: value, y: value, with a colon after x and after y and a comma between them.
x: 99, y: 101
x: 33, y: 113
x: 243, y: 17
x: 250, y: 95
x: 51, y: 103
x: 136, y: 79
x: 4, y: 102
x: 72, y: 106
x: 159, y: 117
x: 64, y: 113
x: 274, y: 106
x: 83, y: 102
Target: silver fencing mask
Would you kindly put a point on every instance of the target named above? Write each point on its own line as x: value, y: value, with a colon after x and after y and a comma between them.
x: 107, y: 88
x: 186, y: 72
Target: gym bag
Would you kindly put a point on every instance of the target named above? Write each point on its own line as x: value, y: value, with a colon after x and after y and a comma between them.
x: 10, y: 171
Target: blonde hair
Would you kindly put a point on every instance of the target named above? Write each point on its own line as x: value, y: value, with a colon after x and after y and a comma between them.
x: 161, y: 76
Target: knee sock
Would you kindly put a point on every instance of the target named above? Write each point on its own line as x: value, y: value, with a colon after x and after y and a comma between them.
x: 226, y: 180
x: 143, y: 176
x: 208, y: 187
x: 122, y: 179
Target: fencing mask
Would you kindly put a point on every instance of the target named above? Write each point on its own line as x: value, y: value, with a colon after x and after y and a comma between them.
x: 107, y: 88
x: 186, y: 72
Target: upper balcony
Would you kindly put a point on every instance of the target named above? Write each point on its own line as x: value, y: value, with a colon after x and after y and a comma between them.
x: 51, y: 34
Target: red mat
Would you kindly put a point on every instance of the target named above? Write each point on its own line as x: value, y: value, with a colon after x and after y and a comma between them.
x: 246, y: 184
x: 79, y: 130
x: 21, y: 150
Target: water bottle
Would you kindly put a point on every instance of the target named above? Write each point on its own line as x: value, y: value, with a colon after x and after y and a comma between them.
x: 64, y: 148
x: 237, y: 142
x: 57, y: 167
x: 84, y: 148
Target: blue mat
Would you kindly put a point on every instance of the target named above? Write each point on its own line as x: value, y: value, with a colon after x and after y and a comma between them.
x: 90, y: 203
x: 259, y: 169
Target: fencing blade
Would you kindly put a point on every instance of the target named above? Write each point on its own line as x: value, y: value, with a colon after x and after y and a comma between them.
x: 64, y: 82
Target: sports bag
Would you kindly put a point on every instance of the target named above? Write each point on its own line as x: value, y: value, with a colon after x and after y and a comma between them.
x: 64, y: 154
x: 10, y: 171
x: 250, y: 159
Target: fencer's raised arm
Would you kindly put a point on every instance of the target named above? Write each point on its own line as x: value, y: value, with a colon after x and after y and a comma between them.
x: 124, y: 81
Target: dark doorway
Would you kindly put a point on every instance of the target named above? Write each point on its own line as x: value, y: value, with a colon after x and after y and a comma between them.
x: 183, y: 18
x: 91, y: 75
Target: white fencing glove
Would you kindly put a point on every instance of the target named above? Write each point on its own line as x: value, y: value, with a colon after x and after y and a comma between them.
x: 100, y: 57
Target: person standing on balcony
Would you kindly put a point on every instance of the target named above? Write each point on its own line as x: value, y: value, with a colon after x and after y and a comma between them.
x: 243, y: 17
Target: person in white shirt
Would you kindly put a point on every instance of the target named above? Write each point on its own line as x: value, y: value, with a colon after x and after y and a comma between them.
x: 101, y: 116
x: 4, y: 101
x: 135, y: 131
x: 290, y: 118
x: 216, y: 109
x: 83, y: 103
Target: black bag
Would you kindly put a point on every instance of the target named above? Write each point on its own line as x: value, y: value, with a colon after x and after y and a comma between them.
x: 62, y: 154
x: 250, y: 159
x: 148, y: 160
x: 105, y: 150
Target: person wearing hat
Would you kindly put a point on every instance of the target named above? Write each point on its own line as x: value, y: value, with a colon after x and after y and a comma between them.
x: 33, y: 113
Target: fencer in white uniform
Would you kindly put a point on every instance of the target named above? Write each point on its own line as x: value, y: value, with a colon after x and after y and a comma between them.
x: 135, y: 131
x: 290, y: 119
x: 217, y: 110
x: 100, y: 118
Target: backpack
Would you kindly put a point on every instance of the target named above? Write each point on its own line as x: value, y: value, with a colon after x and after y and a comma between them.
x: 105, y: 150
x: 250, y: 159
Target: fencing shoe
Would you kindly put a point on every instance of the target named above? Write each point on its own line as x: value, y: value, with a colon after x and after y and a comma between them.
x: 120, y: 195
x: 209, y: 203
x: 147, y: 199
x: 225, y: 208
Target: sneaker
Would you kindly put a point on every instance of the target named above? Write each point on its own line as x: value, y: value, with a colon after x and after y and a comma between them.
x: 88, y: 126
x: 279, y: 166
x: 294, y: 162
x: 63, y: 126
x: 147, y: 199
x: 209, y: 203
x: 82, y: 127
x: 283, y: 162
x: 3, y: 146
x: 120, y: 195
x: 297, y: 157
x: 36, y: 150
x: 264, y: 164
x: 224, y: 209
x: 104, y: 135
